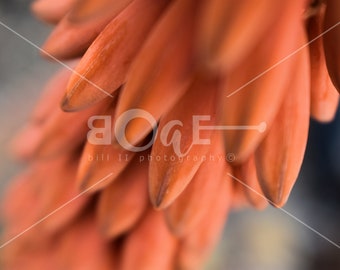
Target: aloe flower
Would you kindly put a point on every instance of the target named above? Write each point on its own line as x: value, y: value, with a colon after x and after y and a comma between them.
x: 230, y: 87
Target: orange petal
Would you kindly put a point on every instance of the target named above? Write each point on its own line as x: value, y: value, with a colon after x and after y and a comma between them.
x: 192, y: 205
x: 324, y: 97
x: 239, y: 199
x: 100, y: 165
x: 33, y: 256
x: 150, y: 245
x: 225, y: 37
x: 52, y: 94
x: 17, y: 213
x: 123, y: 202
x: 250, y: 187
x: 87, y: 9
x: 254, y: 89
x: 64, y: 132
x: 67, y: 131
x: 108, y: 59
x: 332, y: 40
x: 51, y: 11
x: 101, y: 162
x: 93, y: 251
x: 198, y: 244
x: 157, y: 78
x: 279, y: 156
x: 56, y: 195
x: 34, y: 199
x: 176, y: 157
x: 71, y: 39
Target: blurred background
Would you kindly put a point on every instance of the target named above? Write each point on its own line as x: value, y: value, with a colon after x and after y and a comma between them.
x: 268, y: 239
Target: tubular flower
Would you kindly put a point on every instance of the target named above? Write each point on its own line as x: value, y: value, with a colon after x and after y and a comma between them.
x: 230, y: 87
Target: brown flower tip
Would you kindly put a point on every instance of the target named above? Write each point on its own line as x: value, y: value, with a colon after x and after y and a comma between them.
x: 99, y: 161
x: 104, y: 67
x: 279, y: 156
x: 251, y: 189
x: 65, y: 104
x: 249, y: 95
x: 194, y: 203
x: 168, y: 178
x: 157, y: 79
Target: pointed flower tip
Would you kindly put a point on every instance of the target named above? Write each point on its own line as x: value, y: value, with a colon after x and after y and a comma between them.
x: 50, y: 49
x: 158, y: 199
x: 89, y: 182
x: 276, y: 198
x: 68, y: 106
x: 64, y: 104
x: 278, y: 202
x: 83, y: 179
x: 47, y: 48
x: 161, y: 195
x: 47, y: 51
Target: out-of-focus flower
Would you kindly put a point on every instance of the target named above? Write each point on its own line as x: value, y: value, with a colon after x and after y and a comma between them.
x: 231, y: 85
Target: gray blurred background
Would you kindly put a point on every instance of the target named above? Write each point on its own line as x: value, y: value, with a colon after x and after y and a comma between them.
x: 252, y: 240
x: 22, y: 75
